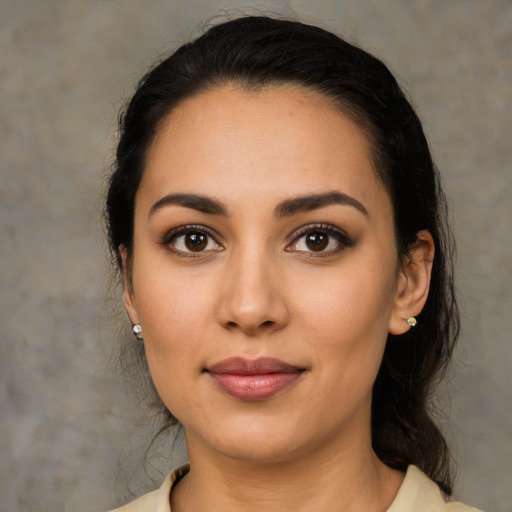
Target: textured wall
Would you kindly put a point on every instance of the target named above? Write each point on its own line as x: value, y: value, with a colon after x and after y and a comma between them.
x: 66, y: 426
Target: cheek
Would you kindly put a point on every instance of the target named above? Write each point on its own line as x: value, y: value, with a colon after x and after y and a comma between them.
x: 347, y: 315
x: 170, y: 300
x: 174, y: 313
x: 347, y: 300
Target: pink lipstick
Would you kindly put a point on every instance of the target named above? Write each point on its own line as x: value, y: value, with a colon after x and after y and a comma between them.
x: 253, y: 380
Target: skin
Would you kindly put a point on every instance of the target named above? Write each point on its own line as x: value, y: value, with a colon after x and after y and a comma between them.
x: 257, y: 289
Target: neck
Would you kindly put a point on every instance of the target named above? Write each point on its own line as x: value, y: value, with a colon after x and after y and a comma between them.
x: 332, y: 477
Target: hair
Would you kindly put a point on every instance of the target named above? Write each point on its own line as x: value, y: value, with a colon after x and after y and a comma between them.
x: 255, y: 52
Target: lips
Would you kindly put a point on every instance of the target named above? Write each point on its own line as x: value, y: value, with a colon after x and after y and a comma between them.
x: 253, y: 380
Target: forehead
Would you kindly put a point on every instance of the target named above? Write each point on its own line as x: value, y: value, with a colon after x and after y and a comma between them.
x: 284, y: 138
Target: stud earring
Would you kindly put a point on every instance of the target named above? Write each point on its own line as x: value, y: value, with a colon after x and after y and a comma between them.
x: 411, y: 321
x: 137, y: 331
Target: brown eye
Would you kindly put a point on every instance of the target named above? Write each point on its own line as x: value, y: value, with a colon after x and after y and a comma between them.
x: 323, y: 239
x: 196, y: 242
x: 317, y: 241
x: 189, y: 240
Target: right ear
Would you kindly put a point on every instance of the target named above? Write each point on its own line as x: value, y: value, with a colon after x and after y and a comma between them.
x: 128, y: 295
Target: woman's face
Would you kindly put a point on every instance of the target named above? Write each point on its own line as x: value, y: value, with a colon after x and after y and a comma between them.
x: 265, y: 272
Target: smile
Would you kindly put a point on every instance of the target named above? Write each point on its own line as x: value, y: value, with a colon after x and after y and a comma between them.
x: 254, y: 380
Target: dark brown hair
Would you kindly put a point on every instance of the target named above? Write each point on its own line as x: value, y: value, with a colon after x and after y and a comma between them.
x: 259, y: 51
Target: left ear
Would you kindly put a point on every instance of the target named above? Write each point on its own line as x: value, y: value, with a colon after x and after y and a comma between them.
x: 413, y: 283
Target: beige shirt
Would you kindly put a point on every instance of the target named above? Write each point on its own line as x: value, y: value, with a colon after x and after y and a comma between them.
x: 417, y: 494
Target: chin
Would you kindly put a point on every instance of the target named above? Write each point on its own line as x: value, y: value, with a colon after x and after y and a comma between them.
x: 259, y: 452
x: 257, y: 441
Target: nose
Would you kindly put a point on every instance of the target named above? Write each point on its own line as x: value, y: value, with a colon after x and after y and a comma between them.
x: 252, y: 296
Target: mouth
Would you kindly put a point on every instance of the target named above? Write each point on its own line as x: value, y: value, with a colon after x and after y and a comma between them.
x: 254, y: 380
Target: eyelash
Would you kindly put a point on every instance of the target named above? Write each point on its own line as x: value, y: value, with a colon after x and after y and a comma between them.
x: 331, y: 231
x: 170, y: 239
x: 342, y: 239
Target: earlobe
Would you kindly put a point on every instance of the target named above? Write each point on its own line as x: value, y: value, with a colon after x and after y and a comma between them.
x: 413, y: 283
x: 128, y: 295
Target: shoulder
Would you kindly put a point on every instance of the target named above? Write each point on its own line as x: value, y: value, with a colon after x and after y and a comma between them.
x: 146, y: 503
x: 420, y: 494
x: 158, y: 500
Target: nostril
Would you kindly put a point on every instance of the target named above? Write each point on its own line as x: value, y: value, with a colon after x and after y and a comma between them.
x: 250, y: 328
x: 252, y: 312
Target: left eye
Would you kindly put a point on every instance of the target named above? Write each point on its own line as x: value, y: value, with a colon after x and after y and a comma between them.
x: 319, y: 241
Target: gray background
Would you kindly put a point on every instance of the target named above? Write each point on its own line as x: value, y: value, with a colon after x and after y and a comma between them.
x: 70, y: 438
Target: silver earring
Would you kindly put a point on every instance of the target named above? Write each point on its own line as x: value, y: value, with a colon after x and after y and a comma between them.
x: 411, y: 321
x: 137, y: 331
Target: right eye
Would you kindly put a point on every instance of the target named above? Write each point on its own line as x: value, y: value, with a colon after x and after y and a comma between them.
x: 188, y: 240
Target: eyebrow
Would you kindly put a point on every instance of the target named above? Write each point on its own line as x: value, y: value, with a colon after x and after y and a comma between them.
x: 312, y: 202
x: 197, y: 202
x: 286, y: 208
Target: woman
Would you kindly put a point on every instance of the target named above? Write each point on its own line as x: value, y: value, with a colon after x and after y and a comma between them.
x: 280, y: 228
